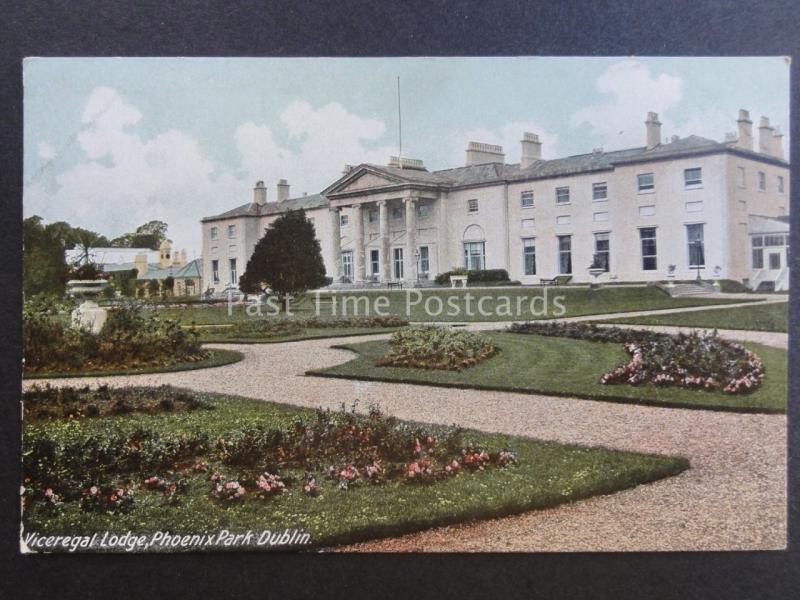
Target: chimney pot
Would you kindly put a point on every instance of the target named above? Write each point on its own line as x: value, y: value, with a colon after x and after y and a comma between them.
x: 260, y: 193
x: 653, y: 127
x: 283, y: 190
x: 531, y: 149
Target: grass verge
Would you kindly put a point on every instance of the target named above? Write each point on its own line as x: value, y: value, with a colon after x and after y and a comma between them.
x: 217, y: 358
x: 761, y: 317
x: 548, y: 474
x: 566, y: 367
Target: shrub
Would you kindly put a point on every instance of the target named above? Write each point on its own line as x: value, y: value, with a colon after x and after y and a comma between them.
x: 731, y: 286
x: 474, y: 276
x: 686, y: 360
x: 436, y: 348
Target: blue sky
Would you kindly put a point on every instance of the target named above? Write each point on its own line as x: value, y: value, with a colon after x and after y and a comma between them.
x: 111, y: 143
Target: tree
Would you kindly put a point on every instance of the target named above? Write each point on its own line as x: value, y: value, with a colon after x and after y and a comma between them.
x: 153, y: 288
x: 287, y: 260
x: 169, y: 284
x: 150, y: 235
x: 44, y: 268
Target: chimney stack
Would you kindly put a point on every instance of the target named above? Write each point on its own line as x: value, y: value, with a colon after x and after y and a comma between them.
x: 765, y: 138
x: 283, y: 190
x: 260, y: 194
x: 777, y: 143
x: 745, y: 130
x: 531, y: 150
x: 653, y: 126
x: 479, y: 153
x: 140, y: 264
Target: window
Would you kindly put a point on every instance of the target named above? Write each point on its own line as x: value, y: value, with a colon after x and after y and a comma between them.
x: 398, y: 263
x: 780, y: 184
x: 343, y: 220
x: 529, y: 255
x: 213, y: 233
x: 231, y: 231
x: 472, y: 205
x: 773, y: 240
x: 742, y: 177
x: 774, y: 261
x: 526, y: 199
x: 563, y: 220
x: 347, y: 265
x: 694, y: 238
x: 758, y: 258
x: 599, y: 217
x: 397, y: 213
x: 374, y: 261
x: 565, y: 254
x: 372, y: 215
x: 234, y: 276
x: 692, y: 177
x: 215, y: 270
x: 528, y: 223
x: 600, y: 191
x: 694, y: 207
x: 562, y: 195
x: 762, y: 181
x: 602, y: 250
x: 422, y: 211
x: 474, y: 255
x: 424, y: 260
x: 647, y: 211
x: 646, y: 182
x: 647, y: 237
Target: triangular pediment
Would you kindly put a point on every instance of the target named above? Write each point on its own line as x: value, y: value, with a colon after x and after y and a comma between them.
x: 362, y: 178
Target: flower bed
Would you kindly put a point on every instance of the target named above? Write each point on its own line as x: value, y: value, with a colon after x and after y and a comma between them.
x: 436, y: 348
x: 278, y: 328
x: 257, y: 462
x: 75, y: 403
x: 129, y: 339
x: 694, y: 360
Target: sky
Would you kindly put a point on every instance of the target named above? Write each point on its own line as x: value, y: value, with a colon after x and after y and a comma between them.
x: 111, y: 143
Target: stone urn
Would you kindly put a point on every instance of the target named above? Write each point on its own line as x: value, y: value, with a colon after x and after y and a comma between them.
x: 88, y: 315
x: 595, y: 272
x: 671, y: 276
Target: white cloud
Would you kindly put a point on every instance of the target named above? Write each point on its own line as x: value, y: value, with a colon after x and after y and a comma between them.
x: 46, y: 151
x: 508, y: 136
x: 634, y: 92
x: 126, y: 178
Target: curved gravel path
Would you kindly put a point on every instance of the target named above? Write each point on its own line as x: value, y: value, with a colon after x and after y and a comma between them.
x: 733, y: 497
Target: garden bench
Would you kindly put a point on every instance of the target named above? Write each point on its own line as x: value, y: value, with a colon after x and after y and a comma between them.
x: 456, y: 279
x: 560, y: 280
x: 395, y: 284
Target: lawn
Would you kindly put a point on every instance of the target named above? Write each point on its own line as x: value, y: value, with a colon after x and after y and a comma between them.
x: 217, y: 357
x: 546, y: 474
x: 567, y: 367
x: 222, y: 334
x: 760, y: 317
x: 446, y: 305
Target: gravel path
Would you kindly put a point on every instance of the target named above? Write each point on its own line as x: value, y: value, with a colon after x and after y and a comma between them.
x: 733, y: 497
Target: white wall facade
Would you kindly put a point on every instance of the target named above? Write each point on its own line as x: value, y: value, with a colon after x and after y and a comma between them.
x: 721, y: 203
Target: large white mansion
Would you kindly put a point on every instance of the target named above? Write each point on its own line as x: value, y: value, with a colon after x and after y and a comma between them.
x: 640, y: 214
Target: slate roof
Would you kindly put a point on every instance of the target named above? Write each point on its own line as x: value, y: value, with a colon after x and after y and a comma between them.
x: 497, y: 173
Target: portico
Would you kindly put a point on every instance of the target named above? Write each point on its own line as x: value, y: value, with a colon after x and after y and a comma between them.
x: 373, y: 216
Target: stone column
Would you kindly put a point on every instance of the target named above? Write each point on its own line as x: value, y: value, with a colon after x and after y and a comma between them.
x: 336, y: 244
x: 409, y: 254
x: 360, y: 271
x: 383, y: 219
x: 443, y: 240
